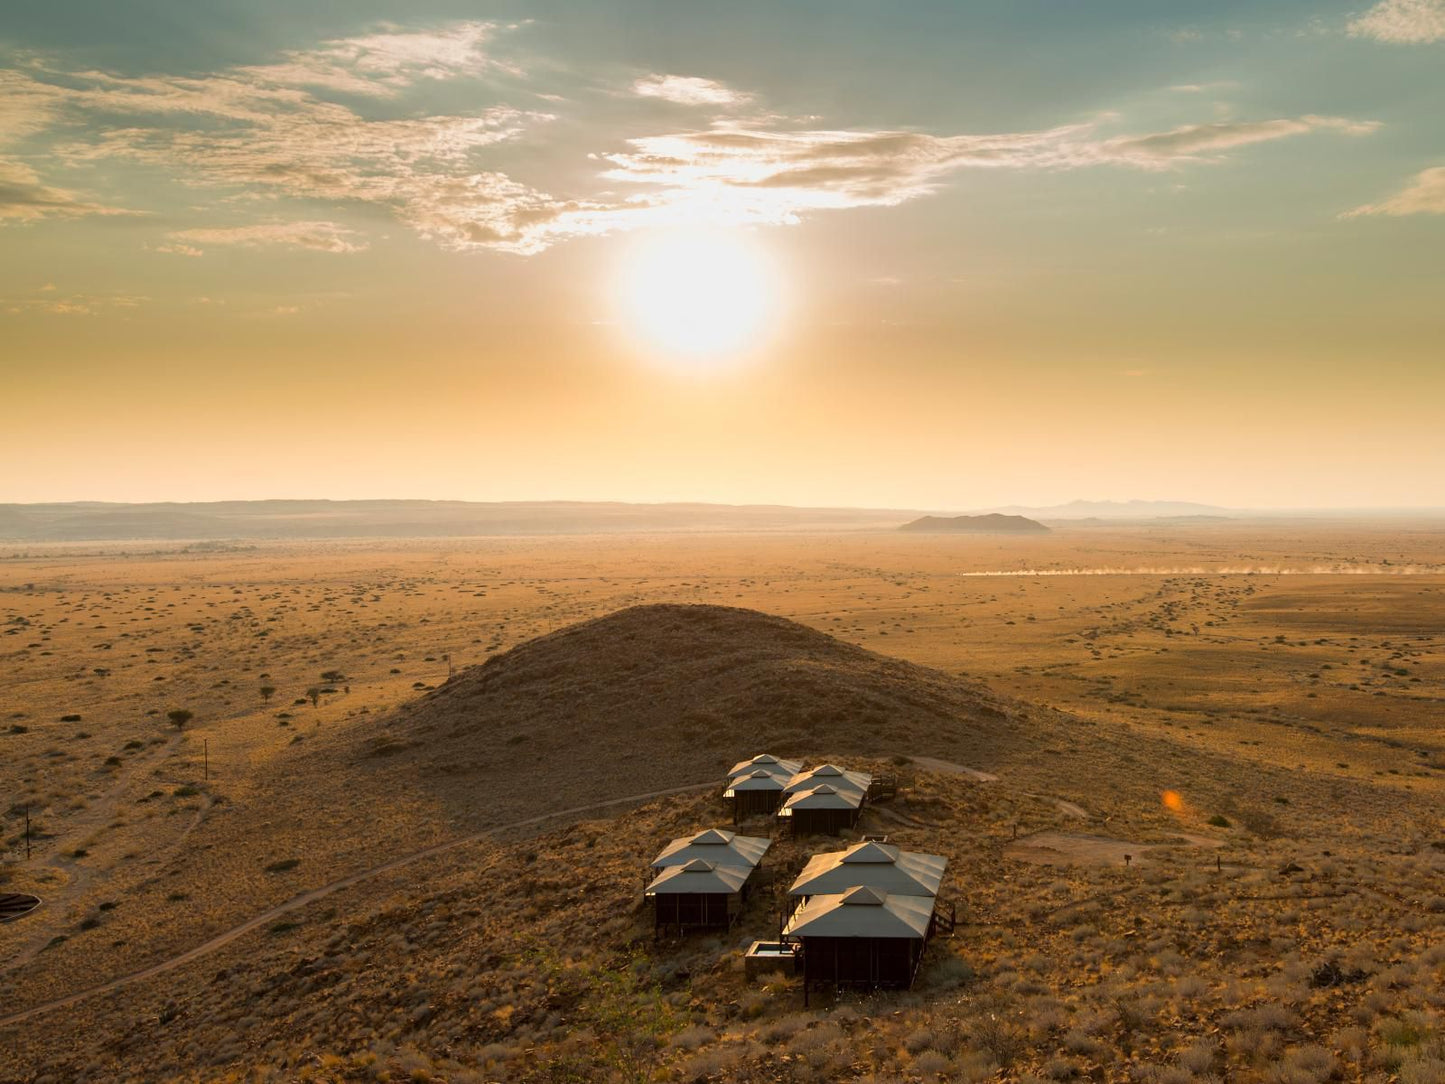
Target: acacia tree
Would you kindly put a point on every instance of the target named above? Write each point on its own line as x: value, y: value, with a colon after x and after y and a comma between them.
x: 268, y: 691
x: 179, y: 717
x: 314, y: 694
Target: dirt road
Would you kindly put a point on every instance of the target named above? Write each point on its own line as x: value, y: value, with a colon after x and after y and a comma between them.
x: 296, y: 902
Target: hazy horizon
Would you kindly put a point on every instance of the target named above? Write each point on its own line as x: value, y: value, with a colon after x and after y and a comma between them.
x: 1122, y: 504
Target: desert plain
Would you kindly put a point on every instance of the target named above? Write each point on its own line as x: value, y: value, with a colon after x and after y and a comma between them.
x: 401, y: 833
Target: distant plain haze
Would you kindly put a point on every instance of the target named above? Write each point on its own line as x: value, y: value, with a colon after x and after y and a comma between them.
x: 933, y: 255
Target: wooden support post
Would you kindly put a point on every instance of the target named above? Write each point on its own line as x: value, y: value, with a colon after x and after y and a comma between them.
x: 807, y: 979
x: 206, y: 760
x: 27, y: 831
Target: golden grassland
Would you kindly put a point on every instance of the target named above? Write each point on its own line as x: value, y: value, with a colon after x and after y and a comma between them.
x: 1297, y: 709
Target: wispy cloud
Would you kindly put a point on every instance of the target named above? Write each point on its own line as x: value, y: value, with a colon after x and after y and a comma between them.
x: 1403, y: 22
x: 24, y: 197
x: 330, y: 126
x: 266, y: 130
x: 50, y: 302
x: 1425, y: 195
x: 775, y: 176
x: 1195, y: 142
x: 318, y: 236
x: 689, y: 90
x: 1202, y: 88
x: 384, y: 62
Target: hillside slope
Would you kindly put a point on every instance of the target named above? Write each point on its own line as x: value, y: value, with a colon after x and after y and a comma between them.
x: 670, y: 694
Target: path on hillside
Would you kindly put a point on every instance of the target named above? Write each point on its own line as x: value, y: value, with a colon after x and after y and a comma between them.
x: 60, y: 850
x: 296, y: 902
x: 223, y: 939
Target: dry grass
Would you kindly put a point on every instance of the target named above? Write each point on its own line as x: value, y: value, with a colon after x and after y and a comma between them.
x: 1300, y: 712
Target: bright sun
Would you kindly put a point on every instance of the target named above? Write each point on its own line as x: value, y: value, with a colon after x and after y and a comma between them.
x: 697, y: 296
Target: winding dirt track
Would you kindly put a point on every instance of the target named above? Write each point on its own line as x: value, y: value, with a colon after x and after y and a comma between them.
x: 296, y: 902
x: 223, y: 939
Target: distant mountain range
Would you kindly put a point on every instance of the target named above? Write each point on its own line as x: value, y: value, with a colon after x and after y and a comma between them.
x: 304, y: 519
x: 217, y: 522
x: 992, y: 523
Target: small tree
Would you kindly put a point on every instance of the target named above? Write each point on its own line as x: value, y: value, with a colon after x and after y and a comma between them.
x: 179, y: 717
x: 314, y: 695
x: 268, y: 691
x: 331, y: 677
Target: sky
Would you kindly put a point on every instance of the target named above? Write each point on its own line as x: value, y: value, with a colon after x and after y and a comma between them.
x: 939, y: 255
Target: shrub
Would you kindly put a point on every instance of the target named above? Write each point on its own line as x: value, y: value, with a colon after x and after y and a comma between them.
x: 691, y: 1038
x: 1198, y: 1058
x: 932, y: 1063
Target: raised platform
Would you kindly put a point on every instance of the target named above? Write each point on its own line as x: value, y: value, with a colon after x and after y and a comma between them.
x: 766, y: 957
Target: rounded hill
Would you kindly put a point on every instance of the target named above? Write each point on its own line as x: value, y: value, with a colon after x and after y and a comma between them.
x: 663, y: 695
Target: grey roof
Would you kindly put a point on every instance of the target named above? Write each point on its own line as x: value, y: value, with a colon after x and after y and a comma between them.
x: 714, y: 845
x: 862, y: 912
x: 836, y: 777
x: 875, y: 865
x: 823, y: 796
x: 708, y: 878
x: 760, y: 779
x: 768, y: 763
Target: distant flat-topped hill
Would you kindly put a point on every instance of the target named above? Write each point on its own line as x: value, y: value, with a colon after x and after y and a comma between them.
x: 1118, y: 510
x: 992, y: 523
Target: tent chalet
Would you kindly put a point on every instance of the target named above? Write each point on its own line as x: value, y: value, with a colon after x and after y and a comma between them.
x: 840, y: 779
x: 768, y: 763
x: 822, y: 810
x: 698, y: 895
x: 760, y: 791
x: 717, y: 846
x: 876, y: 865
x: 862, y: 937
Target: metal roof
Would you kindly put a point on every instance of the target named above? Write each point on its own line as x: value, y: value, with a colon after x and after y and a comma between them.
x: 707, y: 878
x: 823, y: 796
x: 757, y: 780
x: 714, y: 845
x: 875, y: 865
x: 862, y: 912
x: 768, y: 763
x: 836, y: 777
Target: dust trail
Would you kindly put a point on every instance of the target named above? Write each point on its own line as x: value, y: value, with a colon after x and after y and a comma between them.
x: 1225, y: 570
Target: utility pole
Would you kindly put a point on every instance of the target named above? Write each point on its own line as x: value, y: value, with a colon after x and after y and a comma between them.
x: 206, y: 759
x: 27, y: 831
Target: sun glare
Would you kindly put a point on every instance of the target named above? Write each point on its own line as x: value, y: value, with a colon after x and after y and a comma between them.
x: 696, y: 296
